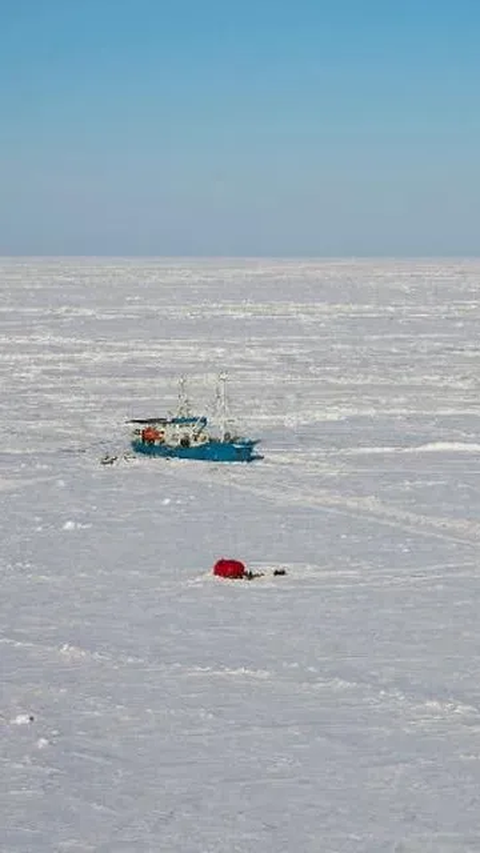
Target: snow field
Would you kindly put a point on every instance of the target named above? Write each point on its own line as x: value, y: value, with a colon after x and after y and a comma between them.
x: 334, y: 709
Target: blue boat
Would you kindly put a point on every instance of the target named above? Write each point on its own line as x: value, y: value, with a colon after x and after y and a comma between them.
x: 187, y: 436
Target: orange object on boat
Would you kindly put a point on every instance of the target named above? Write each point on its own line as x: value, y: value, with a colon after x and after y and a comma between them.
x: 150, y: 434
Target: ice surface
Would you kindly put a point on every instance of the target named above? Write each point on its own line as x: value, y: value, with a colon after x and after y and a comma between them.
x: 147, y: 706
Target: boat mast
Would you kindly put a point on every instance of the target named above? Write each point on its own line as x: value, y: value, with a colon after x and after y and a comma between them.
x: 222, y: 400
x: 183, y: 401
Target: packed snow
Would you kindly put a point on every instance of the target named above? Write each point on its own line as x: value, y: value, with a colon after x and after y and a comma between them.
x: 148, y: 706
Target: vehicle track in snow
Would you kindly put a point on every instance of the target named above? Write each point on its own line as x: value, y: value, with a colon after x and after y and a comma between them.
x: 367, y: 507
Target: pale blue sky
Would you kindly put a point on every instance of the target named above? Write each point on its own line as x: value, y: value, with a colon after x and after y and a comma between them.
x: 240, y: 127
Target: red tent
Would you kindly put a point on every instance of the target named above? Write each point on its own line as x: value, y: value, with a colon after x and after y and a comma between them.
x: 233, y: 569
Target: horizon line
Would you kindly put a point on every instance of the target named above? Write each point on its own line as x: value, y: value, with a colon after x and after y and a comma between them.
x: 253, y: 257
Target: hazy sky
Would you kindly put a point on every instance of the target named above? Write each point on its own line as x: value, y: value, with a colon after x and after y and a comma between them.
x: 240, y: 127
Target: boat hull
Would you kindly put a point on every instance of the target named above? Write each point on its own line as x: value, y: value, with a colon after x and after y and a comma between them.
x: 212, y: 451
